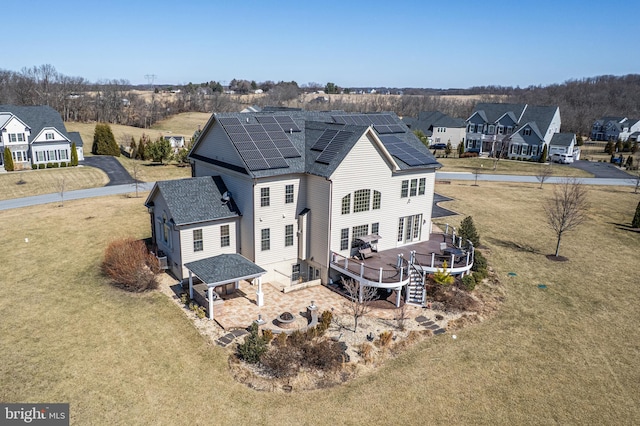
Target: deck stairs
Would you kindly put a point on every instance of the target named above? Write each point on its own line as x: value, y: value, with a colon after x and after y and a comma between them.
x: 415, y: 289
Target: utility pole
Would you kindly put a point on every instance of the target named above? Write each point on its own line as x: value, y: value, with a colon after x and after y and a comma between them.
x: 150, y: 79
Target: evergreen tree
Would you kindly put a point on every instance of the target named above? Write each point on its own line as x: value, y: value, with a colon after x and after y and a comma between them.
x: 104, y: 143
x: 159, y: 150
x: 609, y: 148
x: 634, y: 147
x: 636, y: 219
x: 618, y: 146
x: 460, y: 149
x: 468, y: 231
x: 543, y: 156
x: 8, y: 160
x: 448, y: 149
x: 74, y: 154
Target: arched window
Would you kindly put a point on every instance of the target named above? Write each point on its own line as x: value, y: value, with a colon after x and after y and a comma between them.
x: 346, y: 204
x: 361, y: 200
x: 376, y: 200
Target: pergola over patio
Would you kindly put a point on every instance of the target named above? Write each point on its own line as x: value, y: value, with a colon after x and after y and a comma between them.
x: 224, y: 269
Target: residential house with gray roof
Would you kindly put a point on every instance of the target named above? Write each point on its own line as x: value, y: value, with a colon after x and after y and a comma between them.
x: 614, y: 128
x: 518, y: 131
x: 36, y: 135
x: 306, y: 187
x: 440, y: 128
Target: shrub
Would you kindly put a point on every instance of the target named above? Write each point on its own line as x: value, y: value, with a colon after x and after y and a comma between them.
x: 469, y: 282
x: 130, y: 265
x: 63, y: 164
x: 200, y: 312
x: 56, y: 165
x: 468, y: 231
x: 41, y: 166
x: 385, y: 339
x: 442, y: 276
x: 253, y: 347
x: 324, y: 355
x: 366, y: 352
x: 8, y: 160
x: 282, y: 361
x: 280, y: 340
x: 267, y: 335
x: 184, y: 298
x: 49, y: 165
x: 104, y: 143
x: 479, y: 262
x: 296, y: 339
x: 469, y: 155
x: 74, y: 155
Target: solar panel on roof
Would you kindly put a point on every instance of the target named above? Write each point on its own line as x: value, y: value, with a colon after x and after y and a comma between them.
x: 324, y: 139
x: 405, y: 152
x: 277, y: 163
x: 239, y: 137
x: 394, y: 128
x: 272, y: 127
x: 257, y: 164
x: 228, y: 121
x: 333, y: 146
x: 382, y: 129
x: 289, y: 152
x: 338, y: 119
x: 287, y: 123
x: 262, y: 119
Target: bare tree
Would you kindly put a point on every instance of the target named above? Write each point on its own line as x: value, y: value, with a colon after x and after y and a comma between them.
x: 136, y: 175
x: 567, y: 208
x: 359, y: 300
x: 544, y: 173
x: 476, y: 172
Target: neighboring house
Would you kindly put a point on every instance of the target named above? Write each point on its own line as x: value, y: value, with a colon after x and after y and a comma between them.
x: 564, y: 143
x: 177, y: 142
x: 614, y: 128
x: 439, y: 127
x: 303, y: 188
x: 35, y: 135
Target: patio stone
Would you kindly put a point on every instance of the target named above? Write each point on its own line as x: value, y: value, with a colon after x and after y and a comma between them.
x: 421, y: 318
x: 439, y: 331
x: 239, y: 332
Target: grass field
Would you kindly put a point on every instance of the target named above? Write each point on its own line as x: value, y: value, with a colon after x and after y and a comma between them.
x: 564, y: 355
x: 505, y: 167
x: 184, y: 124
x: 47, y: 181
x: 149, y: 171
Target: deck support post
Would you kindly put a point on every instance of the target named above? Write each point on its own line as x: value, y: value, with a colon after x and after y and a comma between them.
x: 210, y: 297
x: 433, y: 259
x: 398, y: 291
x: 190, y: 285
x: 360, y: 291
x: 259, y: 293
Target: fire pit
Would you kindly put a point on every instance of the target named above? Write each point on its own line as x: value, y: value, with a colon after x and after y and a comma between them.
x: 286, y: 320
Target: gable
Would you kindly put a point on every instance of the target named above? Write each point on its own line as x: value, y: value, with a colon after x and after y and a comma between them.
x: 215, y: 144
x: 353, y: 168
x: 48, y: 135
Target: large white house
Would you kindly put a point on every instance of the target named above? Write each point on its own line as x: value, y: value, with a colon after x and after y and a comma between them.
x: 291, y: 192
x: 518, y: 131
x: 36, y: 135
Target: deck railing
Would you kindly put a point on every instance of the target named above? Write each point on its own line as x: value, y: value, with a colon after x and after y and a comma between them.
x: 384, y: 277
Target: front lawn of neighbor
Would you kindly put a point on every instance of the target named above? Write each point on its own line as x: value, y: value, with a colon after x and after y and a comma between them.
x: 505, y: 167
x: 37, y: 182
x: 565, y: 354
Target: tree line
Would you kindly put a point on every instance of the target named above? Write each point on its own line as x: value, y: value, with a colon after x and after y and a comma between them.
x: 117, y: 101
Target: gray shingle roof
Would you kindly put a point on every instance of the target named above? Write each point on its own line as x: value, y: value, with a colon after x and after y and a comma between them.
x: 312, y: 124
x: 76, y: 138
x: 194, y: 200
x: 224, y: 268
x: 562, y: 139
x: 427, y: 120
x: 37, y: 117
x: 492, y: 112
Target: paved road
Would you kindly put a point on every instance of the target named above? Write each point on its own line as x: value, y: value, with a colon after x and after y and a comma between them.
x: 628, y: 181
x: 118, y: 175
x: 74, y: 195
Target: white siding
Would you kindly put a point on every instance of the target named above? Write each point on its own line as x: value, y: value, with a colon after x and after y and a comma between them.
x: 453, y: 134
x: 211, y: 242
x: 275, y: 217
x: 376, y: 174
x: 318, y: 200
x: 14, y: 126
x: 554, y: 126
x: 217, y: 146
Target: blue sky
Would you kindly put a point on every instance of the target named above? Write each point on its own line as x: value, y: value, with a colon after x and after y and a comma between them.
x: 437, y: 44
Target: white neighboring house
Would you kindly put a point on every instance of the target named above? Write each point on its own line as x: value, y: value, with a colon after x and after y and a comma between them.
x: 36, y: 135
x: 563, y: 146
x: 439, y: 127
x: 176, y: 142
x: 307, y: 187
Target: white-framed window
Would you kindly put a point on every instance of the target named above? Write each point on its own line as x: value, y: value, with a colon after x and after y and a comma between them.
x: 288, y: 235
x: 527, y: 131
x: 225, y: 239
x: 534, y: 150
x: 165, y: 229
x: 288, y: 194
x: 49, y: 136
x: 51, y: 155
x: 422, y: 183
x: 197, y: 240
x: 400, y: 229
x: 359, y: 231
x: 344, y: 238
x: 264, y: 197
x: 346, y: 204
x: 376, y: 200
x: 265, y: 239
x: 414, y: 188
x: 63, y: 154
x: 509, y: 130
x: 404, y: 192
x: 361, y: 200
x: 500, y: 129
x: 40, y: 156
x: 491, y: 129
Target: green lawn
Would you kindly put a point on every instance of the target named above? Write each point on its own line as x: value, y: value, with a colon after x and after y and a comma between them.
x: 564, y: 355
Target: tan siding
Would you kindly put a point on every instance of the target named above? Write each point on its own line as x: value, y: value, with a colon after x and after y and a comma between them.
x: 211, y: 242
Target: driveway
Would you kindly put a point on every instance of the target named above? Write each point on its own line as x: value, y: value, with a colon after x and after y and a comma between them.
x: 117, y: 174
x: 600, y: 170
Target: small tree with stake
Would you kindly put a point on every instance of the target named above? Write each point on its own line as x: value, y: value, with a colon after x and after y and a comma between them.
x: 359, y: 300
x: 635, y: 223
x: 544, y: 173
x: 566, y: 209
